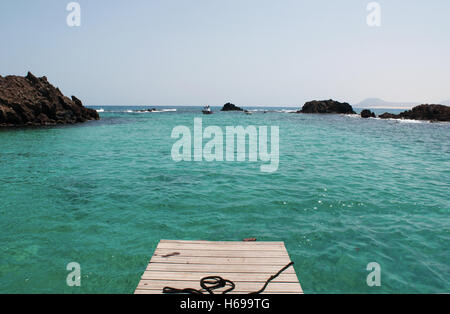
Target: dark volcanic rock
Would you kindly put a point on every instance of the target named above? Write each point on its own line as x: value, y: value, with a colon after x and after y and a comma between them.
x: 367, y: 114
x: 422, y: 112
x: 387, y: 115
x: 327, y: 106
x: 147, y: 110
x: 231, y: 107
x: 428, y: 112
x: 32, y: 101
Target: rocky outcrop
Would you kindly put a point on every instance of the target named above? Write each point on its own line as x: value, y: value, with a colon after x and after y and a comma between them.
x: 32, y: 101
x: 367, y: 114
x: 422, y: 112
x: 231, y: 107
x: 428, y: 112
x: 147, y: 110
x: 387, y: 115
x: 327, y: 106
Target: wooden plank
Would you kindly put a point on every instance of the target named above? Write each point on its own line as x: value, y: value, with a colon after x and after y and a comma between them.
x: 279, y: 261
x: 216, y: 243
x: 240, y: 286
x: 235, y: 277
x: 138, y: 291
x: 234, y: 292
x: 261, y: 269
x: 235, y: 246
x: 215, y: 253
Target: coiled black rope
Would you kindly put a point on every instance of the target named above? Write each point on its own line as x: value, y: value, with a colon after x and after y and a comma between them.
x: 211, y: 283
x: 208, y: 284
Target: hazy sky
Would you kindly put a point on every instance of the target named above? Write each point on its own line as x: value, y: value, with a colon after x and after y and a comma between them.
x: 250, y: 52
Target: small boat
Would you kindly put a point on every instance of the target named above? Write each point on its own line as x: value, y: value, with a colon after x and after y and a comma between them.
x: 248, y: 112
x: 207, y: 110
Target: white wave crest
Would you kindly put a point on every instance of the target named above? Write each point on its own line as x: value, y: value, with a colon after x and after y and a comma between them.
x: 405, y: 120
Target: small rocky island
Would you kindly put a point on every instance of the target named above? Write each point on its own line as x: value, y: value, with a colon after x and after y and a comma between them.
x: 32, y: 101
x: 231, y: 107
x: 367, y: 114
x: 423, y: 112
x: 327, y: 106
x: 147, y: 110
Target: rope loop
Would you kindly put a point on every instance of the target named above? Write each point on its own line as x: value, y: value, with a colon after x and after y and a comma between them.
x: 211, y: 283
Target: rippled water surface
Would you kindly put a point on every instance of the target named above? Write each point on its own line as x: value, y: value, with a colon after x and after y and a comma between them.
x: 347, y: 192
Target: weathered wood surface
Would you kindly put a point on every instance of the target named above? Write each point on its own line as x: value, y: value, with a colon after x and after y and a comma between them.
x: 182, y: 264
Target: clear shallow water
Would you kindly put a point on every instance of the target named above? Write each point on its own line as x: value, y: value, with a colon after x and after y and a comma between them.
x: 347, y: 192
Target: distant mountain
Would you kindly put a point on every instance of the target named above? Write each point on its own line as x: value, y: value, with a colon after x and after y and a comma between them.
x: 373, y: 103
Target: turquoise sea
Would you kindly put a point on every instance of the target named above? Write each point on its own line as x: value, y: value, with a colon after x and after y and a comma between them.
x: 347, y: 192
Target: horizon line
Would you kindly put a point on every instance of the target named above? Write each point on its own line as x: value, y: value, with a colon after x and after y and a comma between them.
x: 251, y: 106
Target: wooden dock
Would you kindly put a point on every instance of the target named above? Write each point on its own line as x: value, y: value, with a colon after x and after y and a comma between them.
x: 182, y: 264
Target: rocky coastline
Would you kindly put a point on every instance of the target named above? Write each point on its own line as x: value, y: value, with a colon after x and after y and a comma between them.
x: 33, y: 101
x: 426, y: 112
x: 436, y: 113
